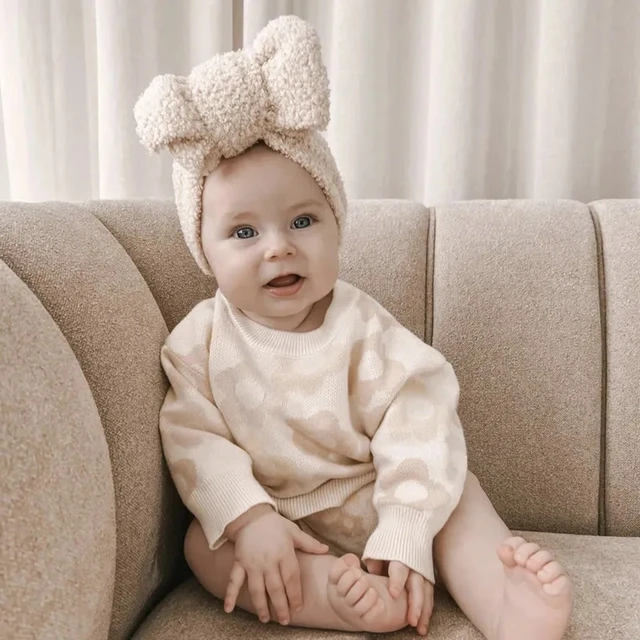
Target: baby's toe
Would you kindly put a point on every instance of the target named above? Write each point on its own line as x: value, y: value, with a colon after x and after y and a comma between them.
x: 357, y: 591
x: 550, y: 572
x: 351, y: 560
x: 338, y: 568
x: 558, y: 587
x: 514, y: 542
x: 507, y: 550
x: 368, y: 604
x: 348, y: 579
x: 524, y: 552
x: 538, y: 560
x: 341, y: 566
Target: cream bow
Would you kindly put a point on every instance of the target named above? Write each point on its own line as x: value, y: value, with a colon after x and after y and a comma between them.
x: 227, y: 104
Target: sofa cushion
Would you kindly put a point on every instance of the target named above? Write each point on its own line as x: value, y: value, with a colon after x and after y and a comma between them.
x: 384, y: 253
x: 149, y: 231
x: 57, y: 509
x: 619, y: 222
x: 517, y: 311
x: 605, y: 571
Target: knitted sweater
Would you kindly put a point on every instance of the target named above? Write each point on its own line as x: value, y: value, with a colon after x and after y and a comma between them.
x: 301, y: 421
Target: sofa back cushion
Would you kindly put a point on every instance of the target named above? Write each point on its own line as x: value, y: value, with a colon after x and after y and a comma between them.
x: 619, y: 225
x: 517, y: 311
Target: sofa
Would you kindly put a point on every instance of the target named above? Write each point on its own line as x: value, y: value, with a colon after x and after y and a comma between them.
x: 536, y: 304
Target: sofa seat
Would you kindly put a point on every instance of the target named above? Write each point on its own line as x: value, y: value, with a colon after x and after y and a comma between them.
x: 605, y: 571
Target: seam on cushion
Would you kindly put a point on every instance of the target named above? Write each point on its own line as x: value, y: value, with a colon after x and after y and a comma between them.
x: 602, y: 519
x: 428, y: 294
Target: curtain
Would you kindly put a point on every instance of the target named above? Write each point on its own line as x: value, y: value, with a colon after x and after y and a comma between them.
x: 432, y: 100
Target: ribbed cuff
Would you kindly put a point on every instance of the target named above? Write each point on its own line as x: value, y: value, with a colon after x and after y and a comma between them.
x: 224, y: 499
x: 403, y: 534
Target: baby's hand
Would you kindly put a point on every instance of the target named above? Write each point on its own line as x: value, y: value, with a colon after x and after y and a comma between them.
x: 420, y: 591
x: 265, y: 549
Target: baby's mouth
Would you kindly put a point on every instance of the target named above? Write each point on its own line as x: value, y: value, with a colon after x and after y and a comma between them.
x: 283, y: 281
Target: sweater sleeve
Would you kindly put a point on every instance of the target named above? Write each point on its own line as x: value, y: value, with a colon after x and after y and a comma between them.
x: 212, y: 474
x: 420, y: 458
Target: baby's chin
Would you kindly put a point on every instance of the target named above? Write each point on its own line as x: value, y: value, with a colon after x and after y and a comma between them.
x: 281, y: 310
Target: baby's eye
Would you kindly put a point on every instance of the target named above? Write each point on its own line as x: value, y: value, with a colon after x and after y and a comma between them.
x: 244, y: 233
x: 302, y: 222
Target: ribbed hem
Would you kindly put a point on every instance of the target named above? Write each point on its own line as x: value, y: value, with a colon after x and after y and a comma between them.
x: 332, y: 493
x: 290, y: 343
x: 403, y: 534
x: 224, y: 499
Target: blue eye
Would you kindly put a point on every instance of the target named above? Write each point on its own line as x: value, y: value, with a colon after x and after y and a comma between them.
x: 302, y: 222
x: 244, y: 233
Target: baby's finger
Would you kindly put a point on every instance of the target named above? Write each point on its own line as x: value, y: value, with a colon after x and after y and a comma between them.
x: 236, y: 580
x: 416, y: 598
x: 398, y: 574
x: 277, y: 595
x: 427, y: 609
x: 290, y: 572
x: 255, y: 582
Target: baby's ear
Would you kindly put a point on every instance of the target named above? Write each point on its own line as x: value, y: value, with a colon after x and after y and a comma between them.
x: 166, y: 116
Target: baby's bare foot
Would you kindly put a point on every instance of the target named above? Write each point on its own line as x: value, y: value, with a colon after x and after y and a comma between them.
x: 538, y: 594
x: 363, y: 600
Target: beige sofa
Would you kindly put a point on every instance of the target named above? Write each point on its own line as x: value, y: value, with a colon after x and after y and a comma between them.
x: 536, y: 304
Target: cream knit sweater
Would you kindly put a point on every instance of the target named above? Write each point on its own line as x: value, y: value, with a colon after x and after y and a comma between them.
x: 302, y: 421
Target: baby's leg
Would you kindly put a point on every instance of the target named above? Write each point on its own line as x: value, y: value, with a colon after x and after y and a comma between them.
x: 336, y: 593
x: 507, y: 587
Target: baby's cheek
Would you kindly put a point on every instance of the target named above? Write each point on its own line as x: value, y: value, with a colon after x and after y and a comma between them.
x: 235, y: 276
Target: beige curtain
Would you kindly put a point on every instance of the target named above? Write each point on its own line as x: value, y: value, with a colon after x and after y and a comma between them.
x: 432, y: 100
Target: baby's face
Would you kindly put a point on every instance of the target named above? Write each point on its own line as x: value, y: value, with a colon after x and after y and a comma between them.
x: 270, y: 237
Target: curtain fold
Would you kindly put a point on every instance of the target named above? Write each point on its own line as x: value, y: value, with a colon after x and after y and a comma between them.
x: 432, y: 100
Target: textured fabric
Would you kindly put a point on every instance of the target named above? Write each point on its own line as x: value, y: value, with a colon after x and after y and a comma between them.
x: 57, y: 513
x: 92, y: 290
x: 190, y: 612
x: 277, y: 93
x: 306, y: 422
x: 149, y: 232
x: 605, y: 571
x: 516, y: 311
x: 384, y: 252
x: 619, y: 222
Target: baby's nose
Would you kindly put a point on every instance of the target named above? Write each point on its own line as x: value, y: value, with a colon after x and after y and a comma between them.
x: 278, y: 247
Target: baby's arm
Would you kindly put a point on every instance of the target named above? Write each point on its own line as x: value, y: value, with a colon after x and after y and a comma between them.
x: 420, y: 458
x: 213, y: 475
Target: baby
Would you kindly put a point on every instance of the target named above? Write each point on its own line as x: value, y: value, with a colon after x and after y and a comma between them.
x: 315, y: 440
